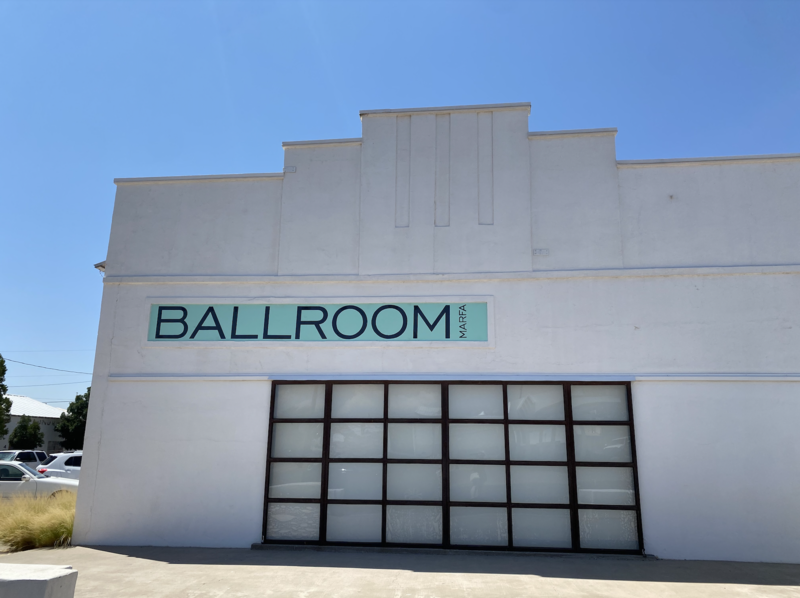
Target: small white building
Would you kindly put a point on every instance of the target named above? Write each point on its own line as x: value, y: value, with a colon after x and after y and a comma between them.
x: 454, y: 332
x: 46, y: 415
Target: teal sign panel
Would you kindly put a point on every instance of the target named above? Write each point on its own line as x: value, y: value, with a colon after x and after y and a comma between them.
x: 382, y: 322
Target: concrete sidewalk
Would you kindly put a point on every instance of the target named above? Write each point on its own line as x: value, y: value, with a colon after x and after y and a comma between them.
x: 204, y: 572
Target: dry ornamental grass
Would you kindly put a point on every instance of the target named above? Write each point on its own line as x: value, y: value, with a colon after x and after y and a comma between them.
x: 35, y: 522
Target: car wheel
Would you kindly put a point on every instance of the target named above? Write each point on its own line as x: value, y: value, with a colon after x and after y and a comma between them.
x: 59, y: 493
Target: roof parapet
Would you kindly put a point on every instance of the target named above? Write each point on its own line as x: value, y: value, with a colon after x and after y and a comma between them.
x: 446, y: 109
x: 712, y: 161
x: 328, y: 142
x: 573, y: 133
x: 200, y: 177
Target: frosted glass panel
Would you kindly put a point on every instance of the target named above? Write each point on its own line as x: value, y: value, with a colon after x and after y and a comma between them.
x: 354, y: 523
x: 415, y: 441
x: 531, y: 442
x: 478, y: 483
x: 352, y: 440
x: 475, y: 401
x: 297, y: 440
x: 304, y: 401
x: 357, y: 401
x: 484, y: 526
x: 361, y: 481
x: 477, y: 441
x: 605, y: 486
x: 539, y: 483
x: 414, y: 524
x: 288, y: 521
x: 599, y: 403
x: 411, y: 481
x: 536, y: 401
x: 541, y: 528
x: 415, y: 401
x: 295, y: 480
x: 603, y: 443
x: 608, y: 529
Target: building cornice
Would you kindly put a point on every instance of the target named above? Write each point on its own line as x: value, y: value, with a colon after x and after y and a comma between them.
x: 789, y: 269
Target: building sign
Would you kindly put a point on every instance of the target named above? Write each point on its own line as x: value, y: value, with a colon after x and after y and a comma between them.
x: 383, y: 322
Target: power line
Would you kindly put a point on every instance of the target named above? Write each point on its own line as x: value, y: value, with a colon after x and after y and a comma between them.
x: 54, y: 384
x: 48, y: 351
x: 42, y: 376
x: 47, y: 368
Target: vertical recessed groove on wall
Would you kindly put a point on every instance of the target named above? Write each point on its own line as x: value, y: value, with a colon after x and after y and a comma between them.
x: 402, y: 205
x: 485, y: 169
x: 442, y: 196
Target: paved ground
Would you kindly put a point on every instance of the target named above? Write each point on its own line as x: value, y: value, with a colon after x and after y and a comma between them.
x: 204, y: 573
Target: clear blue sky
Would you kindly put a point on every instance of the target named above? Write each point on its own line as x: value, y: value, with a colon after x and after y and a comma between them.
x: 90, y: 91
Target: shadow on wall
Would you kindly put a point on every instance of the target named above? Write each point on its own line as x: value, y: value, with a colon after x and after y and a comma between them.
x: 595, y: 567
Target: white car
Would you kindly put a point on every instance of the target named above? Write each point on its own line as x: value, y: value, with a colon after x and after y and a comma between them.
x: 18, y: 479
x: 62, y: 465
x: 30, y: 458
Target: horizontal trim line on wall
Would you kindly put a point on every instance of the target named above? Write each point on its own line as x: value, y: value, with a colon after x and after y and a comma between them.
x: 445, y: 109
x: 790, y: 269
x: 200, y: 177
x: 573, y: 133
x: 708, y: 161
x: 406, y: 376
x: 312, y: 142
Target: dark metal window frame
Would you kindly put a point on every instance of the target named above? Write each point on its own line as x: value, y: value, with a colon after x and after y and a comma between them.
x: 573, y: 506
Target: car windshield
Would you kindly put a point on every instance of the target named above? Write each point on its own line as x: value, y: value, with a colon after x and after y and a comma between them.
x: 30, y: 471
x: 6, y: 455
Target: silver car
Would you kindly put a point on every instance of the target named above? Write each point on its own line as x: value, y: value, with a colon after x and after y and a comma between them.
x: 18, y: 479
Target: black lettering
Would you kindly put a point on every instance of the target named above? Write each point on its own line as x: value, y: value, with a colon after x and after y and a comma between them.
x: 217, y: 326
x: 233, y: 325
x: 267, y: 335
x: 375, y: 321
x: 445, y: 312
x: 162, y: 320
x: 301, y: 322
x: 361, y: 330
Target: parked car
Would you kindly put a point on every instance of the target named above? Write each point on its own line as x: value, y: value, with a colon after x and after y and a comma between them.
x: 18, y: 479
x: 30, y: 458
x: 62, y: 465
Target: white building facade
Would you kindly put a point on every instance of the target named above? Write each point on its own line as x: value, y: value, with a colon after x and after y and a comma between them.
x: 459, y: 333
x: 45, y: 415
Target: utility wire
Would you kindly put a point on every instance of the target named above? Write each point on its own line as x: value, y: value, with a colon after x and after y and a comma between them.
x: 54, y: 384
x: 47, y: 368
x: 42, y: 376
x: 48, y: 351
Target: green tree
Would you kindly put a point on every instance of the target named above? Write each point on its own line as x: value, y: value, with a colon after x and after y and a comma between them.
x: 5, y: 402
x: 72, y: 425
x: 26, y: 435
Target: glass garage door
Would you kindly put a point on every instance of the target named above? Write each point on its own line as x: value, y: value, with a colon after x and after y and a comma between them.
x: 525, y: 466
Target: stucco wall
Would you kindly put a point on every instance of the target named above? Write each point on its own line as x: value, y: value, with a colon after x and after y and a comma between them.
x: 719, y: 469
x: 722, y: 214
